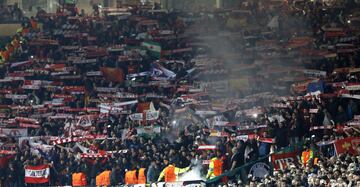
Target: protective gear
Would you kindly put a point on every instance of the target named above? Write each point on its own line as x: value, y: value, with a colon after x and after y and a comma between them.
x: 215, y: 168
x: 79, y: 179
x: 141, y: 176
x: 171, y: 173
x: 130, y: 177
x: 103, y: 179
x: 307, y: 157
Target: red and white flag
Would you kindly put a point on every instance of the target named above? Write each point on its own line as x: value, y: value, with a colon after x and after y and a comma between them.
x: 37, y: 174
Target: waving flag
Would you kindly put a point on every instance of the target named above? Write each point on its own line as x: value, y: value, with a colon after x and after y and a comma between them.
x: 113, y: 74
x: 347, y: 145
x: 37, y: 174
x: 161, y: 73
x: 153, y: 48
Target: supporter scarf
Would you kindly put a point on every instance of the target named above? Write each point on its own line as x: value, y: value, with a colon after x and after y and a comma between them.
x: 95, y: 155
x: 18, y: 64
x: 85, y: 61
x: 266, y: 140
x: 61, y: 116
x: 31, y: 87
x: 37, y: 174
x: 320, y: 127
x: 352, y: 86
x: 105, y: 109
x: 45, y: 115
x: 323, y: 143
x: 126, y: 95
x: 16, y: 96
x: 353, y: 123
x: 77, y: 139
x: 26, y: 125
x: 134, y: 75
x: 94, y: 73
x: 26, y: 120
x: 65, y: 97
x: 207, y: 147
x: 21, y: 108
x: 153, y: 95
x: 66, y: 77
x: 105, y: 89
x: 60, y: 73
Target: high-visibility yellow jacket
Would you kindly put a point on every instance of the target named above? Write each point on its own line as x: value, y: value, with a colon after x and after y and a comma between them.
x: 171, y: 173
x: 215, y: 168
x: 307, y: 156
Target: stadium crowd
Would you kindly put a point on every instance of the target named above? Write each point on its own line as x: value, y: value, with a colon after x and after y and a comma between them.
x: 114, y: 100
x: 11, y: 13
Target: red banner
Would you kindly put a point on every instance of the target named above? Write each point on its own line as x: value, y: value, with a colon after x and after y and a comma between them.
x: 4, y: 160
x: 347, y: 145
x: 113, y: 74
x: 284, y: 160
x: 37, y: 174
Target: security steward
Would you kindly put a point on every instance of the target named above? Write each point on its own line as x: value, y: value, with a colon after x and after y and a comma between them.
x: 103, y: 179
x: 215, y: 166
x: 141, y: 176
x: 171, y: 172
x: 79, y: 178
x: 131, y: 177
x: 307, y: 157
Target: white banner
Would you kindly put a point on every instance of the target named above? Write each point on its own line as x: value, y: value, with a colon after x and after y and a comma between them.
x: 353, y: 87
x: 150, y: 115
x: 94, y: 73
x: 314, y: 73
x: 16, y: 96
x: 37, y: 173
